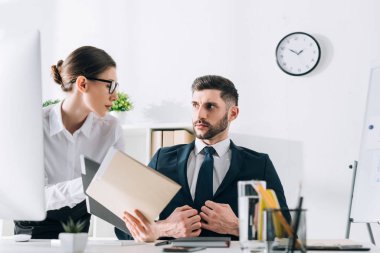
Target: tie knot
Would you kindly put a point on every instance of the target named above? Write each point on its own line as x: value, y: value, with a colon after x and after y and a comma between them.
x: 209, y: 150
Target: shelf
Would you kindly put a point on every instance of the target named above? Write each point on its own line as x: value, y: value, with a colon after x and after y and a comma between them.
x: 138, y: 138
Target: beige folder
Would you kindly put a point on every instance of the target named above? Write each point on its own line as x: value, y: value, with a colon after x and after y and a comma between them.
x: 167, y: 138
x: 156, y: 141
x: 182, y: 137
x: 124, y: 184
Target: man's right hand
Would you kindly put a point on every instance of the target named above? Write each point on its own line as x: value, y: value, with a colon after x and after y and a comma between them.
x: 183, y: 222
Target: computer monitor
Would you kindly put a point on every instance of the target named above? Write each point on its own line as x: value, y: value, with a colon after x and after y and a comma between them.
x: 22, y: 195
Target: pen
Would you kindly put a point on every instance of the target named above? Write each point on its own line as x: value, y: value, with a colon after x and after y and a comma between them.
x: 294, y: 239
x: 162, y: 243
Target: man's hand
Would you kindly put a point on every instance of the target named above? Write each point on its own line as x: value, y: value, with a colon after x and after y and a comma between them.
x: 219, y: 218
x: 183, y: 222
x: 141, y: 229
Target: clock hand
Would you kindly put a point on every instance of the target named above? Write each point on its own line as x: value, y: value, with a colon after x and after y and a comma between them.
x: 300, y: 52
x: 293, y: 51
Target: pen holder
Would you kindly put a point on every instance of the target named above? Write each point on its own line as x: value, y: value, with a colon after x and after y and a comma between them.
x: 250, y: 214
x: 286, y: 237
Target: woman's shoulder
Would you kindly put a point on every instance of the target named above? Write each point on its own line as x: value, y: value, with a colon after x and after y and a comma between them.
x: 107, y: 119
x: 47, y: 110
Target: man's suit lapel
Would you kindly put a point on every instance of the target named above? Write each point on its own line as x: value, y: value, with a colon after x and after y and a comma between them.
x: 183, y: 155
x: 237, y: 158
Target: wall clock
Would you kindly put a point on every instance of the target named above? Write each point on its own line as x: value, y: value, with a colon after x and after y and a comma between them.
x: 298, y: 53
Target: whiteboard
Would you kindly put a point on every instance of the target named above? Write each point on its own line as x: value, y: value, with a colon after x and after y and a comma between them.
x: 366, y: 195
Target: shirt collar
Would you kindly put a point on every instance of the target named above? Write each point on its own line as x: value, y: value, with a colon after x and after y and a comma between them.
x: 87, y: 125
x: 56, y: 124
x: 221, y: 147
x: 55, y: 119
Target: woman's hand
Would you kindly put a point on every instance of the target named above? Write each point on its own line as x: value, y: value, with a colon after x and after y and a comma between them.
x: 140, y: 227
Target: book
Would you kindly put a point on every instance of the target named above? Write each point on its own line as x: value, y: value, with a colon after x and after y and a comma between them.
x: 207, y: 242
x: 270, y: 203
x: 167, y: 138
x: 262, y: 217
x: 327, y: 244
x: 183, y: 137
x: 334, y: 244
x: 278, y: 228
x: 261, y: 220
x: 124, y: 184
x: 100, y: 242
x: 156, y: 141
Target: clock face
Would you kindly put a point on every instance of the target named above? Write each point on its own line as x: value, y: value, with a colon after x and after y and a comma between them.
x: 298, y: 53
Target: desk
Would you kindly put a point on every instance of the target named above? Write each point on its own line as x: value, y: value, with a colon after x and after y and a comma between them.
x: 42, y: 246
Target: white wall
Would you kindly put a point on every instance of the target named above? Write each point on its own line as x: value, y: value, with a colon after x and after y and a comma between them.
x: 311, y: 126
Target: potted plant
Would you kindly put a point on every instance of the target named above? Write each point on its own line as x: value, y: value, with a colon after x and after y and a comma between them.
x: 50, y: 102
x: 73, y: 240
x: 121, y: 106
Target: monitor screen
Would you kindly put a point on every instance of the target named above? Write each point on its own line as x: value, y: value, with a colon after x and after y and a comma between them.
x: 22, y: 195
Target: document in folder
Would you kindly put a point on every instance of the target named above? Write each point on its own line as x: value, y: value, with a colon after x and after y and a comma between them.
x: 124, y: 184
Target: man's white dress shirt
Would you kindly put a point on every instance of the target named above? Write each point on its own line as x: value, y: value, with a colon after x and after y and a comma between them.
x: 222, y: 161
x: 62, y: 150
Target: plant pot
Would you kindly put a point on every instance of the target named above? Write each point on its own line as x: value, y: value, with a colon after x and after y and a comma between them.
x: 73, y: 243
x: 122, y: 116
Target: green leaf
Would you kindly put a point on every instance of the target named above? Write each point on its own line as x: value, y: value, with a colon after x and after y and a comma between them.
x: 50, y: 102
x: 123, y: 103
x: 73, y: 227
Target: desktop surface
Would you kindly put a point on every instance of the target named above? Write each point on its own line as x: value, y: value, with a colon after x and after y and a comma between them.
x: 34, y: 246
x: 95, y: 246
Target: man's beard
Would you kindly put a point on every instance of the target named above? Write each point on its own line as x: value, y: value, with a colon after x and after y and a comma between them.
x: 212, y: 130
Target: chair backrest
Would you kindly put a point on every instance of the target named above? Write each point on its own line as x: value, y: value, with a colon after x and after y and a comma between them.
x: 286, y: 156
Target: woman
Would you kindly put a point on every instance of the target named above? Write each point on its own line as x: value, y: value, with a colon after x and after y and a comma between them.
x: 78, y: 125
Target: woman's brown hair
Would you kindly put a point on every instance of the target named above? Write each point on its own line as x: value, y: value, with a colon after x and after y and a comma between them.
x: 84, y: 61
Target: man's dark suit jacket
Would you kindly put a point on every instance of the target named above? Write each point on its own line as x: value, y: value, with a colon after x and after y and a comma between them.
x: 246, y: 164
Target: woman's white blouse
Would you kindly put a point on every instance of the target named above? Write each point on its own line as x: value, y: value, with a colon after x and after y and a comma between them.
x: 62, y: 150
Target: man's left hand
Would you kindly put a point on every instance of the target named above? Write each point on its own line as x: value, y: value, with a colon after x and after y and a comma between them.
x: 219, y: 218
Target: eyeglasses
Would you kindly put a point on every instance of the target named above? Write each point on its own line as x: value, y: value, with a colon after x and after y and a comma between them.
x: 111, y: 88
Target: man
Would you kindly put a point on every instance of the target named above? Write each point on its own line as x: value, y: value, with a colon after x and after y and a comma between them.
x: 208, y: 171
